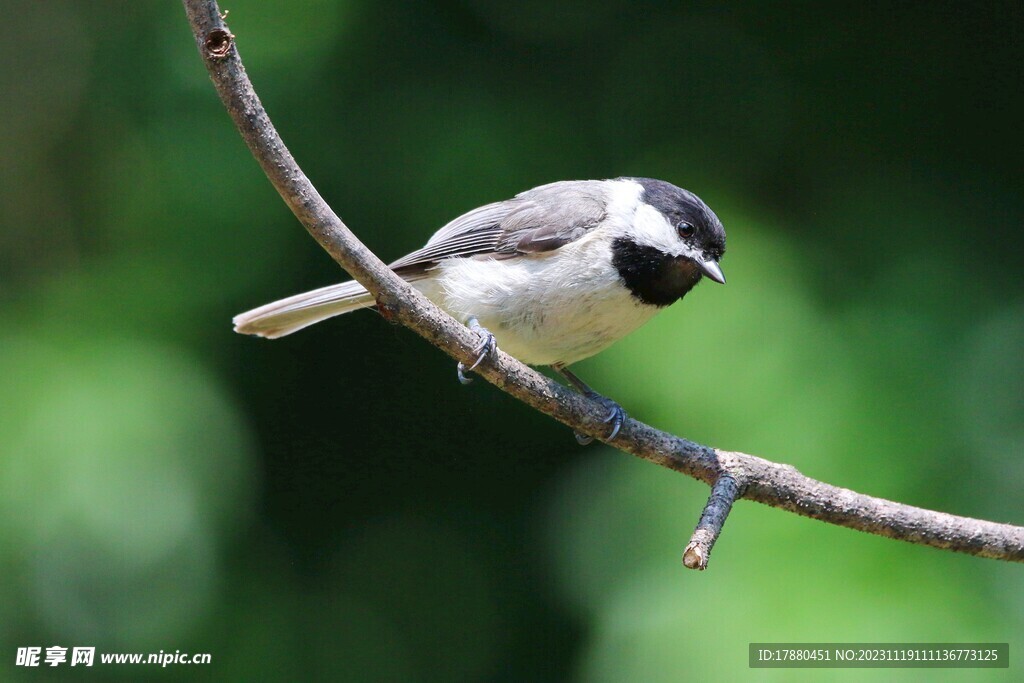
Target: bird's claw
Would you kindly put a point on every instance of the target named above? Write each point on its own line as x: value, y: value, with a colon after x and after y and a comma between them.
x: 488, y: 345
x: 583, y: 439
x: 616, y: 417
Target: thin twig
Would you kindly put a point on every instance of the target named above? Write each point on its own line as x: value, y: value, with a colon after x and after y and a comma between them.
x: 766, y: 482
x: 723, y: 495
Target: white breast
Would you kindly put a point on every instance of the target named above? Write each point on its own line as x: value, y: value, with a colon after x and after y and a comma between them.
x: 557, y: 307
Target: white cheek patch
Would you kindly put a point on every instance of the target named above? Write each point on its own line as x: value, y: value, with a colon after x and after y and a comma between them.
x: 623, y: 198
x: 651, y: 229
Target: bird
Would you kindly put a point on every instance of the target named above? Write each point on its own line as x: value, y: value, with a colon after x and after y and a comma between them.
x: 552, y: 276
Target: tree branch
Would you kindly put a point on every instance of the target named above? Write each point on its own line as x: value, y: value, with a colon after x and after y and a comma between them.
x: 731, y: 474
x: 723, y: 495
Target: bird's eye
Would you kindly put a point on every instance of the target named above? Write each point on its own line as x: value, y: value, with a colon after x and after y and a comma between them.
x: 685, y: 229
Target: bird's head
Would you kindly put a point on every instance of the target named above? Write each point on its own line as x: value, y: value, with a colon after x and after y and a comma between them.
x: 673, y: 241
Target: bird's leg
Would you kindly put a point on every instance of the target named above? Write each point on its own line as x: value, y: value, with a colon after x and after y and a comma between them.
x: 616, y: 415
x: 487, y: 347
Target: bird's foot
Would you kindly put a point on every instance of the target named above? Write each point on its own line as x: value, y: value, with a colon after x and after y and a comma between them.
x: 487, y: 346
x: 616, y: 417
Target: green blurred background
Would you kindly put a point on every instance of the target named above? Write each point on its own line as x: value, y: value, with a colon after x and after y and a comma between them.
x: 335, y: 506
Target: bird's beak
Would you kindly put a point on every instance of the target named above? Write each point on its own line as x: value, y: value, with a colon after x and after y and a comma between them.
x: 712, y: 270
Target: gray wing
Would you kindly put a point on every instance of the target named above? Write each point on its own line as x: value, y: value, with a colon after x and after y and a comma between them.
x: 538, y: 220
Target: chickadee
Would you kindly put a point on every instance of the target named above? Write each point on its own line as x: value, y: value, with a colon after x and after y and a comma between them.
x: 552, y: 276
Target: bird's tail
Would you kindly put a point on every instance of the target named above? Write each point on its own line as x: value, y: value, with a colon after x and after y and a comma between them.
x: 283, y: 317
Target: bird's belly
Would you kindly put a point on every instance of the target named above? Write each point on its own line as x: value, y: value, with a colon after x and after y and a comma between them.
x: 536, y: 312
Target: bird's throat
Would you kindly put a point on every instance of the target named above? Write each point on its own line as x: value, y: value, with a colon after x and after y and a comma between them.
x: 652, y: 276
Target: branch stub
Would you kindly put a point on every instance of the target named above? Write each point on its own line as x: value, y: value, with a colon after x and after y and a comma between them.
x: 218, y: 43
